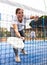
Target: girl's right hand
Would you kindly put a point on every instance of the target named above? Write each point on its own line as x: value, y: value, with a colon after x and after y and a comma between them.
x: 23, y: 38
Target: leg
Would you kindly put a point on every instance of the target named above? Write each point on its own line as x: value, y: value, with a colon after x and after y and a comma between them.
x: 15, y: 51
x: 13, y: 35
x: 22, y: 34
x: 17, y: 59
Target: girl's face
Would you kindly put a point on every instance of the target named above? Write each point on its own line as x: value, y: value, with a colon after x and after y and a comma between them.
x: 20, y: 15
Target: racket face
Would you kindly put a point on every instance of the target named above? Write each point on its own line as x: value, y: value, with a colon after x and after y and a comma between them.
x: 15, y: 42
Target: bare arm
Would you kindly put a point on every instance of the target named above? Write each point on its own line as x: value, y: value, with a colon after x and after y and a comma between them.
x: 16, y: 30
x: 34, y: 17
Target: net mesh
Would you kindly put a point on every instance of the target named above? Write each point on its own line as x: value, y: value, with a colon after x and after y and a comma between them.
x: 36, y: 49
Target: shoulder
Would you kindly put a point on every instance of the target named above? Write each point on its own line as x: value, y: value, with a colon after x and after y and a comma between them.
x: 14, y: 18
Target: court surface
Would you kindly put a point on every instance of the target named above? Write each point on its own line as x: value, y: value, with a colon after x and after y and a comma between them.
x: 37, y: 53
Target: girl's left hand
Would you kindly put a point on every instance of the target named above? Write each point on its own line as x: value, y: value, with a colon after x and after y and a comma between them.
x: 36, y: 18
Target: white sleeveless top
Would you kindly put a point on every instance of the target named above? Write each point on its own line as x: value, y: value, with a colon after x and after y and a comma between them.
x: 20, y: 25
